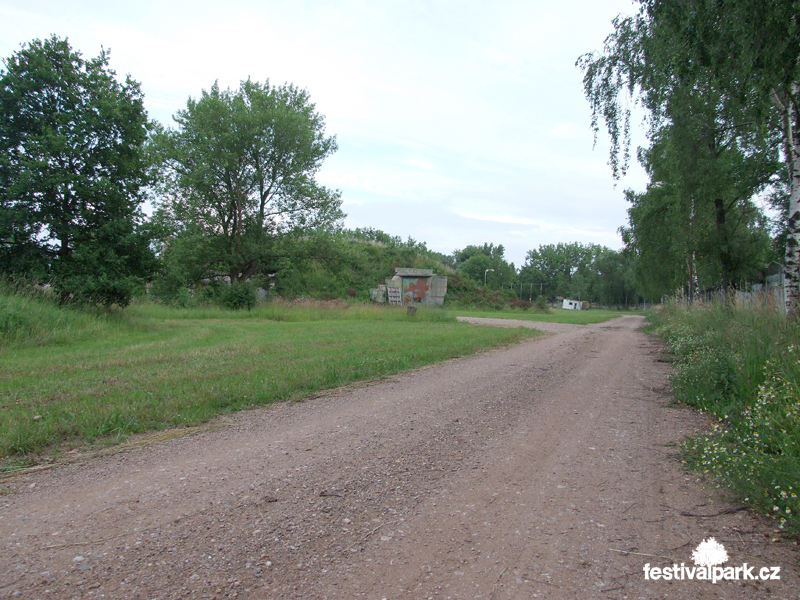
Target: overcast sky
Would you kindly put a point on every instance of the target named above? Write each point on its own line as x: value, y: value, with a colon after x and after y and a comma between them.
x: 457, y: 122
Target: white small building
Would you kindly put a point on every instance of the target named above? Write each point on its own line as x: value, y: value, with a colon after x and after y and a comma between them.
x: 572, y: 304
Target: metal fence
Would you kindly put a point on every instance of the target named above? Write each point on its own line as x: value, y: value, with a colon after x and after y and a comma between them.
x: 770, y: 294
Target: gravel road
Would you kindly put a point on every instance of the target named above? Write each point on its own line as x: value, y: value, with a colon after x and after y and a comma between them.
x: 542, y: 470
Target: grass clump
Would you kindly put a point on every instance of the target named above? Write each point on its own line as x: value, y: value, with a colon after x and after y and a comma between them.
x: 742, y: 366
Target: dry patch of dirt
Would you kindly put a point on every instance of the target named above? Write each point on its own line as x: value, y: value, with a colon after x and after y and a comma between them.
x: 541, y: 470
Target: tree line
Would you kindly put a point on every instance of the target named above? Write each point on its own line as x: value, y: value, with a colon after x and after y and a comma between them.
x: 720, y: 83
x: 569, y: 270
x: 233, y: 180
x: 233, y: 186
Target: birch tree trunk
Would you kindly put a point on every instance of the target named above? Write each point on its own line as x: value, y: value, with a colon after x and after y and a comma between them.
x: 787, y: 107
x: 792, y: 270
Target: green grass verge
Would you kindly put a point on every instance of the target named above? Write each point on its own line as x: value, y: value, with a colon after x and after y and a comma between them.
x: 575, y: 317
x: 743, y: 368
x: 151, y: 367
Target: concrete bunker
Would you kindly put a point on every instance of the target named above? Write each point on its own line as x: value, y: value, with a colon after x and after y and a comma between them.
x: 411, y: 287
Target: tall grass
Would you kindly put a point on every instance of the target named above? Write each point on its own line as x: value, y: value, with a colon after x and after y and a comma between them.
x: 742, y: 366
x: 104, y: 376
x: 30, y: 316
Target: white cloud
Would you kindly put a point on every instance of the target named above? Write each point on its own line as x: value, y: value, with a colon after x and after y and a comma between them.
x: 417, y: 162
x: 512, y: 220
x: 570, y: 131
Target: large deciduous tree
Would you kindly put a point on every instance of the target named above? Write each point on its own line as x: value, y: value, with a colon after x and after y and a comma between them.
x: 72, y: 173
x: 240, y: 171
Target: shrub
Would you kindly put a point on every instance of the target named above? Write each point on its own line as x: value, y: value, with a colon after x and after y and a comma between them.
x: 238, y: 295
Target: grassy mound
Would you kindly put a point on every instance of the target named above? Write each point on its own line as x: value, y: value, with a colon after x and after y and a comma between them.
x: 32, y: 317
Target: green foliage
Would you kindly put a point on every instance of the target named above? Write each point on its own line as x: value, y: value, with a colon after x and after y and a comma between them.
x: 239, y: 177
x: 326, y: 265
x: 717, y: 99
x: 572, y: 270
x: 346, y: 264
x: 486, y: 263
x: 322, y: 265
x: 741, y: 366
x: 691, y: 61
x: 110, y: 270
x: 697, y: 226
x: 612, y: 279
x: 464, y: 291
x: 238, y: 295
x: 554, y: 265
x: 676, y: 252
x: 72, y: 173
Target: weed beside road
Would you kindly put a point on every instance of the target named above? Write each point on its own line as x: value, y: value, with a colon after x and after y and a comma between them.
x: 69, y: 377
x: 743, y: 368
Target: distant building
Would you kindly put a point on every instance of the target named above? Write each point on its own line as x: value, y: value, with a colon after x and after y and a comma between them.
x: 411, y: 286
x: 572, y: 304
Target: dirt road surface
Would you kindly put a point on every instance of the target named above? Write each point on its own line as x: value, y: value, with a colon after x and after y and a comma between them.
x: 542, y: 470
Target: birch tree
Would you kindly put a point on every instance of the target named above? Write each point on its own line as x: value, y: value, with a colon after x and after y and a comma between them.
x: 745, y: 51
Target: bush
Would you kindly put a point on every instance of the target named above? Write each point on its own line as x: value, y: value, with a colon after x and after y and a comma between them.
x: 238, y: 295
x: 515, y: 303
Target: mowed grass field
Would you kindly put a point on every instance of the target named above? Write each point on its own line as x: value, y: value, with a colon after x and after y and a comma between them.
x: 557, y: 315
x: 69, y: 378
